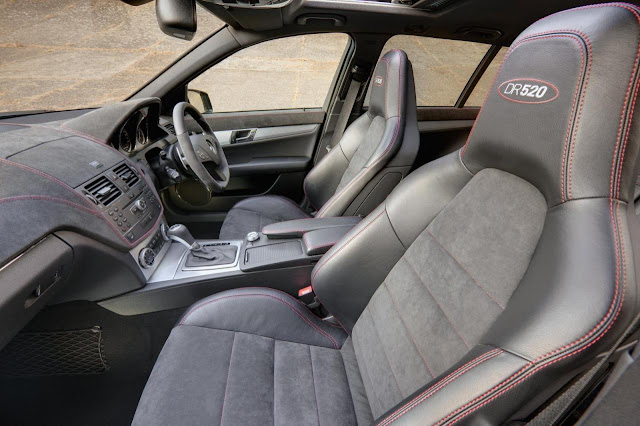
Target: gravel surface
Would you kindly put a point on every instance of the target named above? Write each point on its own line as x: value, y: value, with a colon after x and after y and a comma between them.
x: 66, y: 54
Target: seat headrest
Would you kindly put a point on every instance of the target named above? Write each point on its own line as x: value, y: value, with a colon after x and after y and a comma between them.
x: 560, y: 113
x: 389, y: 85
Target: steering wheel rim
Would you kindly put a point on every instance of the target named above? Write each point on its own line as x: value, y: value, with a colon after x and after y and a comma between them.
x: 207, y: 148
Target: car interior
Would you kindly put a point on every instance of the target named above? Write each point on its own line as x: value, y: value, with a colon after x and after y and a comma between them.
x: 376, y: 259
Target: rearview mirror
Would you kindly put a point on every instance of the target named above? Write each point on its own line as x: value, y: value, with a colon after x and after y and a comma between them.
x: 200, y: 100
x: 177, y: 18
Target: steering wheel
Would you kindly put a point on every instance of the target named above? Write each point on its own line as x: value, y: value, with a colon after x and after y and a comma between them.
x: 200, y: 149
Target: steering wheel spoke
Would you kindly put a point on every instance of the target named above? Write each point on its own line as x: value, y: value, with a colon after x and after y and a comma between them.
x: 200, y: 149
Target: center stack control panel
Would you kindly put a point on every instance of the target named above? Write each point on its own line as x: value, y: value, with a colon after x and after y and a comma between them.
x: 125, y: 199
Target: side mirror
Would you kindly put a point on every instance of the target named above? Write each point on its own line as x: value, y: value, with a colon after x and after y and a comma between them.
x: 177, y: 18
x: 200, y: 100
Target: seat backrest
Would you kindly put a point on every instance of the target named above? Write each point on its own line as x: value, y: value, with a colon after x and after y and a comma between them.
x: 378, y: 147
x: 490, y: 277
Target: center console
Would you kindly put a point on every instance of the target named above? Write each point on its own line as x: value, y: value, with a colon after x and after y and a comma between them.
x: 181, y: 270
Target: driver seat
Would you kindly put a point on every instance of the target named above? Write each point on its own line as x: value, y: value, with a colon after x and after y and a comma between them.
x: 485, y: 282
x: 376, y: 151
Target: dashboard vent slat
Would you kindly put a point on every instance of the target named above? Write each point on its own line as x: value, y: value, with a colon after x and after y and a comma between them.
x: 103, y: 190
x: 126, y: 174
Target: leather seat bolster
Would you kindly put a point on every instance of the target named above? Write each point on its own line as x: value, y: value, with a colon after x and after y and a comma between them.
x: 449, y: 395
x: 371, y: 248
x: 264, y: 312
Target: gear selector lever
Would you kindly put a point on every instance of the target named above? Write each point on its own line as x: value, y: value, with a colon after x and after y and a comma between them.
x: 180, y: 234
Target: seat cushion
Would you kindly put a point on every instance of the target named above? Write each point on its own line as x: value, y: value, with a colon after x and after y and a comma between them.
x: 255, y: 213
x: 254, y: 356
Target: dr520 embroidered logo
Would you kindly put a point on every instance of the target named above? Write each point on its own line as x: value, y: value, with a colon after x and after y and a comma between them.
x: 528, y: 91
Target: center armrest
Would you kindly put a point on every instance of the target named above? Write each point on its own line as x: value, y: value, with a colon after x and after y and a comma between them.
x: 297, y: 228
x: 321, y: 240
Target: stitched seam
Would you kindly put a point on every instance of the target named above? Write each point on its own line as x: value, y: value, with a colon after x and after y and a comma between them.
x: 349, y: 386
x: 624, y: 108
x: 569, y: 144
x: 574, y: 134
x: 437, y: 303
x: 302, y: 230
x: 440, y: 385
x: 313, y: 380
x: 224, y: 398
x: 395, y: 305
x: 291, y: 307
x: 306, y: 243
x: 544, y: 360
x: 511, y: 49
x: 105, y: 145
x: 384, y: 351
x: 344, y: 245
x: 50, y: 178
x: 463, y: 268
x: 51, y: 199
x: 365, y: 367
x: 391, y: 144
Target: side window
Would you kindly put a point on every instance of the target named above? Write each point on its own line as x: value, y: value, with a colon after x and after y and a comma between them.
x: 287, y: 73
x: 482, y: 87
x: 441, y: 67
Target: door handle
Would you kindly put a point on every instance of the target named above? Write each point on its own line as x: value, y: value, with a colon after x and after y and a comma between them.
x: 242, y: 136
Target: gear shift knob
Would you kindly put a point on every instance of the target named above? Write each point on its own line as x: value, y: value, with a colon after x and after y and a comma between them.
x: 181, y: 234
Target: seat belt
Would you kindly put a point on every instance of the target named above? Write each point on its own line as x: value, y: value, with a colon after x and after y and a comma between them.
x: 357, y: 77
x: 345, y: 113
x: 558, y: 408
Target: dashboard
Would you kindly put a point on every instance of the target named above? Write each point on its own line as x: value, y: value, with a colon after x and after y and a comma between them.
x: 77, y: 202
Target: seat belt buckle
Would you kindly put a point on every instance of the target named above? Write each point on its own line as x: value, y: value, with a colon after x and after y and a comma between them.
x: 308, y: 297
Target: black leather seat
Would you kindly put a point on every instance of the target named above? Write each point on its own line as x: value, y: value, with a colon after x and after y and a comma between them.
x: 374, y: 153
x: 485, y: 282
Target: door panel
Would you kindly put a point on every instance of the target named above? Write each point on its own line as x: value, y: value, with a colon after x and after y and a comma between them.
x: 270, y: 154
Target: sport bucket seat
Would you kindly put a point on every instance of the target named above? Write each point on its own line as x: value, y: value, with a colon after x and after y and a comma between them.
x: 374, y: 153
x: 486, y: 281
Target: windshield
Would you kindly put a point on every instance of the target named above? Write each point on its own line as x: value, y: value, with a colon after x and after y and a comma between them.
x: 71, y: 54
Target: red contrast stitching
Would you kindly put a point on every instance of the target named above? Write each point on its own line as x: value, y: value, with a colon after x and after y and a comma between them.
x: 438, y: 386
x: 318, y: 268
x: 620, y: 270
x: 393, y: 299
x: 51, y: 199
x: 464, y: 269
x: 59, y: 182
x: 309, y: 248
x: 624, y: 107
x: 391, y: 144
x: 556, y: 351
x: 291, y: 307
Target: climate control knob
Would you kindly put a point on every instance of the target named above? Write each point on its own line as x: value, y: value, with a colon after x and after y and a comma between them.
x: 146, y: 257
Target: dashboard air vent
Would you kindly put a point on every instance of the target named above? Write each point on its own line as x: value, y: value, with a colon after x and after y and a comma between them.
x: 127, y: 175
x: 169, y: 128
x: 103, y: 190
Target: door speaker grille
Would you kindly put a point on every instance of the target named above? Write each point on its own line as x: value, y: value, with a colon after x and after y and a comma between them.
x: 54, y: 353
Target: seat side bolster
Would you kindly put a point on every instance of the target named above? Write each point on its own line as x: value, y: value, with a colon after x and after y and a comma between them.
x: 350, y: 272
x: 263, y: 312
